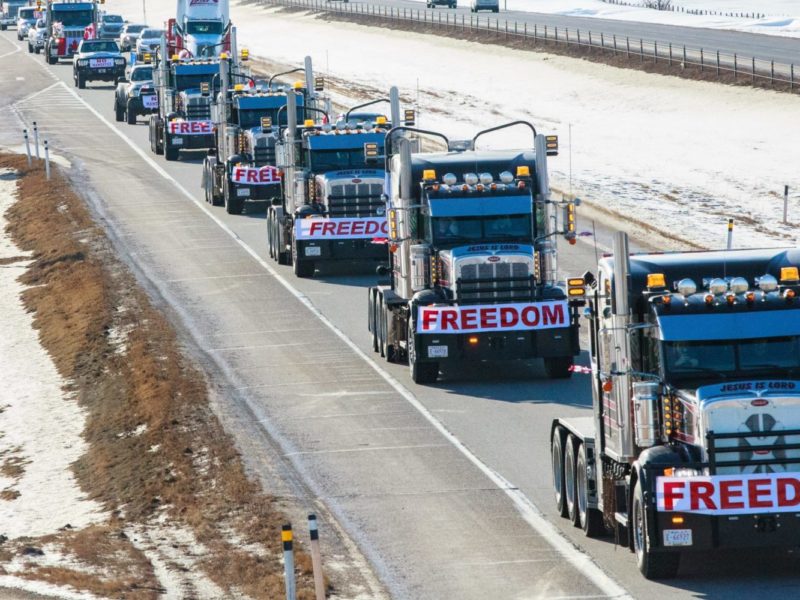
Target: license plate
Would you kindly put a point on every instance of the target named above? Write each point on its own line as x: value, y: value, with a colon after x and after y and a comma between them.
x: 177, y: 141
x: 97, y: 63
x: 313, y: 251
x: 677, y: 537
x: 150, y: 101
x: 437, y: 351
x: 243, y: 192
x: 102, y: 71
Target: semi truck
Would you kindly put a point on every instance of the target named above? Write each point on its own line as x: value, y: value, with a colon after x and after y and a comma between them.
x: 201, y: 28
x: 186, y: 87
x: 473, y: 270
x: 241, y: 169
x: 9, y: 10
x: 694, y: 439
x: 332, y: 206
x: 66, y: 23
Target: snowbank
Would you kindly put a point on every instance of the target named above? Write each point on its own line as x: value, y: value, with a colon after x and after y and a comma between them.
x: 40, y: 428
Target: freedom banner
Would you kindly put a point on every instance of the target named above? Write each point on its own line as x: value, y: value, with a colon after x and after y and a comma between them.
x: 191, y: 127
x: 267, y: 175
x: 341, y: 229
x: 496, y: 317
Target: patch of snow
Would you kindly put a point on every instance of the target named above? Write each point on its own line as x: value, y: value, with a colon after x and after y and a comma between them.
x: 52, y: 558
x: 40, y: 423
x: 134, y: 433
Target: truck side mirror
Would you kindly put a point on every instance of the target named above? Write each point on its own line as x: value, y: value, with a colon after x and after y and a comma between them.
x: 382, y: 270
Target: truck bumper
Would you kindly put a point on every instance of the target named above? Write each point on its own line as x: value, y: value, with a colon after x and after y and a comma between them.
x: 135, y: 105
x: 332, y: 250
x: 190, y: 142
x: 109, y: 74
x: 255, y: 193
x: 499, y: 345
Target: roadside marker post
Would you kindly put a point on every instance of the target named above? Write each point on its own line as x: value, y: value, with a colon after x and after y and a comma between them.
x: 27, y: 145
x: 36, y: 139
x: 785, y: 204
x: 730, y: 234
x: 316, y: 558
x: 47, y: 160
x: 288, y: 561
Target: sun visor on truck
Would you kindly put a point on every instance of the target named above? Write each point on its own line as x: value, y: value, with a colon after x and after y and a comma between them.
x: 480, y: 207
x: 731, y: 326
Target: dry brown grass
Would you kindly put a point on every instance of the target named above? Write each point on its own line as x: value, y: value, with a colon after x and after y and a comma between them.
x: 79, y: 288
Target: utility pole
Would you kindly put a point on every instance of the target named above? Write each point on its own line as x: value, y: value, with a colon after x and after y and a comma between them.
x: 144, y: 11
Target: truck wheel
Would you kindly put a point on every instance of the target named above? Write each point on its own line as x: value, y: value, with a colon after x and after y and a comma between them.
x: 653, y: 565
x: 80, y: 80
x: 30, y: 48
x: 590, y: 519
x: 280, y: 251
x: 119, y: 112
x: 387, y: 350
x: 421, y: 373
x: 559, y: 367
x: 233, y: 204
x: 570, y: 497
x: 303, y: 268
x: 170, y: 153
x: 270, y: 239
x: 37, y: 50
x: 557, y: 458
x: 371, y: 304
x: 130, y: 115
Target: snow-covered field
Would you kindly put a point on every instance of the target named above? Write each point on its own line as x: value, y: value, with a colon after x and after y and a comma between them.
x: 681, y: 155
x: 781, y: 17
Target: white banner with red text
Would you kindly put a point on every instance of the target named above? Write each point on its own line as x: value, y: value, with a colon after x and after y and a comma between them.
x: 191, y: 127
x: 496, y: 317
x: 729, y: 494
x: 267, y: 175
x: 341, y: 229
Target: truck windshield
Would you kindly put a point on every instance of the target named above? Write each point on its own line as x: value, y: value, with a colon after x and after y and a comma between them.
x: 323, y: 161
x: 732, y: 359
x: 142, y: 74
x: 204, y: 27
x: 450, y: 230
x: 192, y: 82
x: 73, y: 18
x: 112, y: 19
x: 97, y: 46
x: 248, y: 119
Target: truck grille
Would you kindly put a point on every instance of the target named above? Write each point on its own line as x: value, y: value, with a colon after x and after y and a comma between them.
x: 198, y: 112
x: 494, y: 283
x: 355, y: 200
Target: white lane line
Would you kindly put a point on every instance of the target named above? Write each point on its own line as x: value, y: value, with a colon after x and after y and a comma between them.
x: 214, y: 277
x: 33, y: 95
x: 578, y: 559
x: 14, y: 51
x: 367, y: 449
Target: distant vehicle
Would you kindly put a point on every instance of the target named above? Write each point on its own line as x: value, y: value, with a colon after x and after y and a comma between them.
x: 26, y: 18
x: 360, y: 117
x: 8, y: 12
x: 435, y: 3
x: 97, y: 60
x: 136, y: 95
x: 110, y: 27
x: 148, y: 42
x: 492, y: 5
x: 129, y: 34
x: 66, y: 27
x: 36, y: 36
x: 202, y: 28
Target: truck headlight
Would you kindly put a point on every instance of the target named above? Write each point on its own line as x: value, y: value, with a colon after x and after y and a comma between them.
x: 83, y: 63
x: 119, y: 61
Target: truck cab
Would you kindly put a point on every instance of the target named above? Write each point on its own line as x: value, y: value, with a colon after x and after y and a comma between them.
x: 66, y: 23
x: 694, y: 443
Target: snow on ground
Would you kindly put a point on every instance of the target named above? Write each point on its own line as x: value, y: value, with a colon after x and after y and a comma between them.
x: 681, y: 155
x: 781, y: 17
x: 40, y: 427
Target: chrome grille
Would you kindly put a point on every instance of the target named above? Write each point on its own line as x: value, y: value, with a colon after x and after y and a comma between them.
x: 198, y: 109
x: 355, y: 200
x: 495, y: 282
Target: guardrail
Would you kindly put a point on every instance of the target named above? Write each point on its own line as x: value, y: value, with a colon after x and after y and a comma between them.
x: 742, y: 69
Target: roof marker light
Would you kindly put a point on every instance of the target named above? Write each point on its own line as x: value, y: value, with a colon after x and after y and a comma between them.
x: 449, y: 179
x: 767, y: 283
x: 718, y: 286
x: 790, y: 274
x: 523, y: 171
x: 486, y: 178
x: 656, y: 280
x: 507, y: 177
x: 470, y: 178
x: 429, y: 175
x: 739, y: 285
x: 687, y: 287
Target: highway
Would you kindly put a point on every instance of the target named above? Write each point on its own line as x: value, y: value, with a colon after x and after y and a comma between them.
x: 445, y: 489
x: 766, y: 47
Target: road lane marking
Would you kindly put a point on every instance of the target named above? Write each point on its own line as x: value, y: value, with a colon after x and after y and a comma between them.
x: 367, y: 449
x: 578, y: 559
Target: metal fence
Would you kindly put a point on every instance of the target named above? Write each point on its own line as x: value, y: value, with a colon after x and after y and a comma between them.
x: 744, y: 69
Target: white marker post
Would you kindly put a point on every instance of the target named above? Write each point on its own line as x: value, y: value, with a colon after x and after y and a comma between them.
x: 288, y: 561
x: 785, y: 204
x: 36, y: 139
x: 316, y: 558
x: 27, y: 145
x: 730, y: 234
x: 47, y: 160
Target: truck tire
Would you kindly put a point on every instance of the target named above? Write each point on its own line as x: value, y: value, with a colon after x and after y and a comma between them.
x: 589, y: 519
x: 270, y: 240
x: 233, y: 204
x: 119, y: 112
x: 281, y: 255
x: 388, y: 350
x: 170, y: 153
x: 130, y: 115
x: 371, y: 304
x: 37, y: 50
x: 653, y: 565
x: 303, y: 268
x: 559, y: 367
x: 80, y: 81
x: 30, y: 48
x: 570, y: 497
x: 557, y: 459
x: 421, y: 372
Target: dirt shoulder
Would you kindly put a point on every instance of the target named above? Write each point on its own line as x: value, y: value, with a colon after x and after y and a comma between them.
x: 184, y: 518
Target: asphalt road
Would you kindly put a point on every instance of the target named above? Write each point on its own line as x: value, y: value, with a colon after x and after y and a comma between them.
x: 745, y: 45
x: 445, y: 489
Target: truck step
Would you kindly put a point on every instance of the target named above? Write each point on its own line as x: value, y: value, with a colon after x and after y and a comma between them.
x: 621, y: 518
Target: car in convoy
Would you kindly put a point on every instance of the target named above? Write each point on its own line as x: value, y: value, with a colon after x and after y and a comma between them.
x: 129, y: 34
x: 26, y: 18
x: 36, y: 36
x: 136, y: 95
x: 492, y: 5
x: 148, y: 42
x: 435, y: 3
x: 97, y: 60
x: 8, y: 12
x: 110, y: 27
